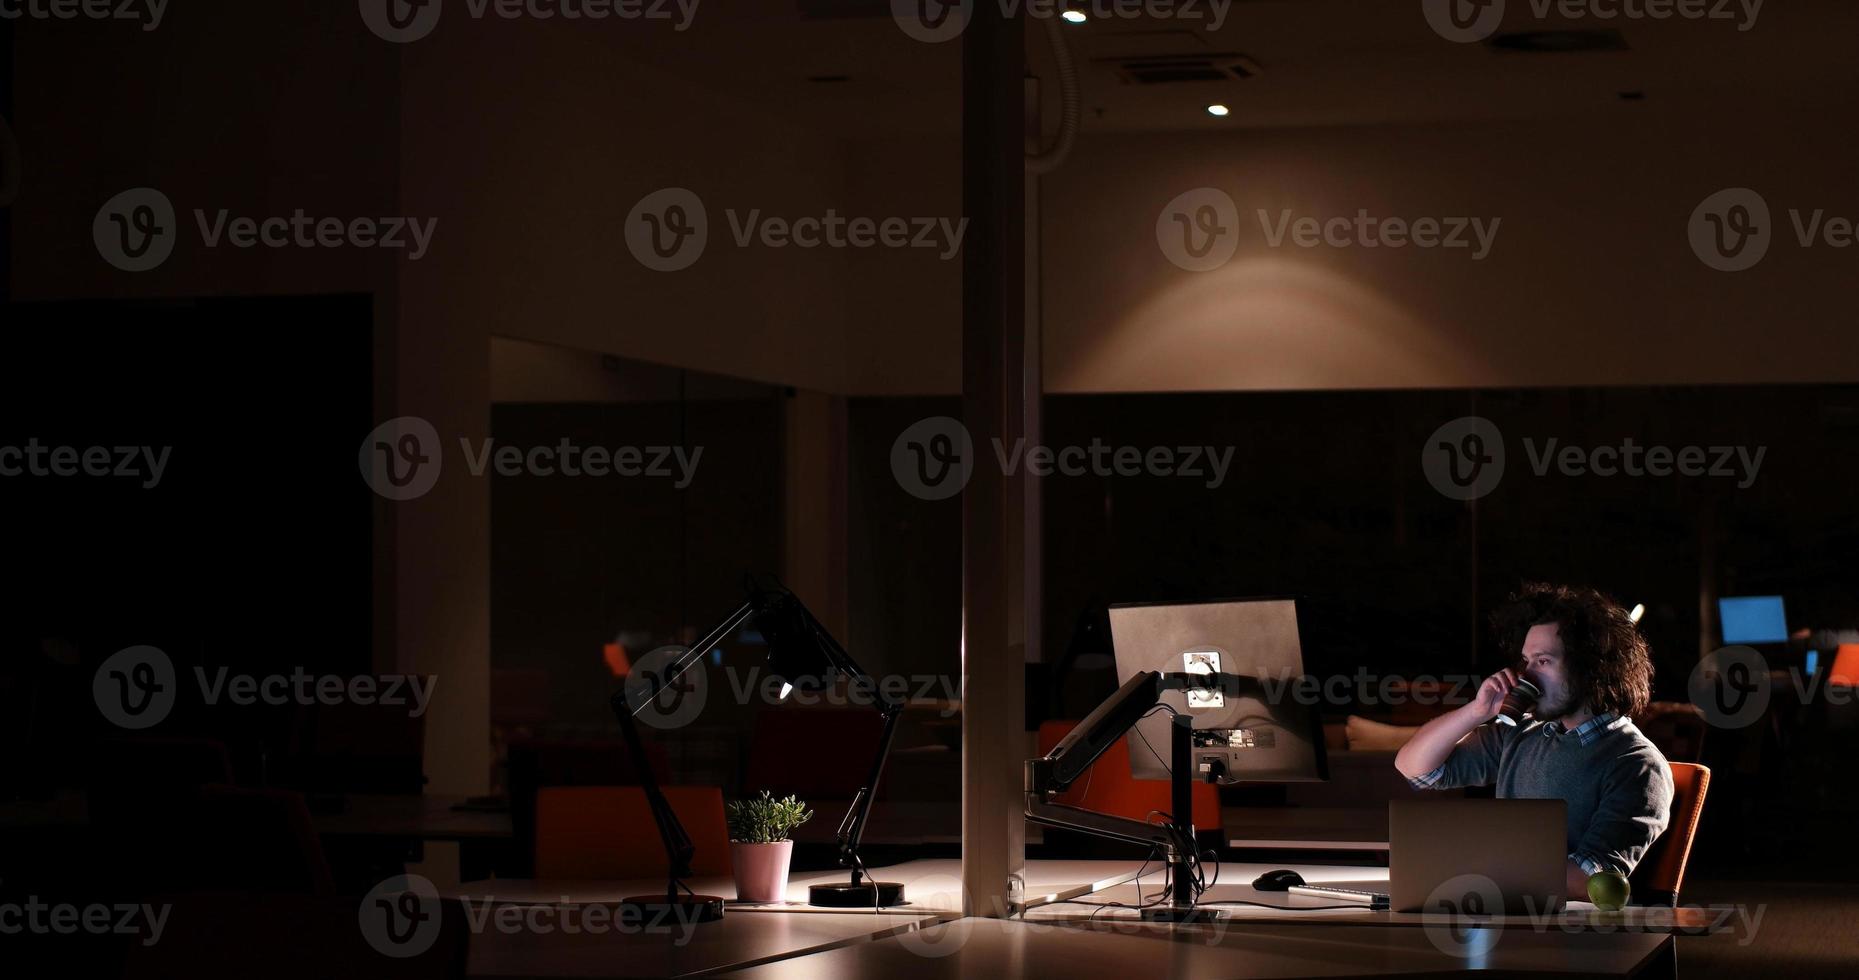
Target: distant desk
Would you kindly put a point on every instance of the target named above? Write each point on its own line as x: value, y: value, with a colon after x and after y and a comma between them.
x: 733, y: 942
x: 995, y: 948
x: 410, y: 817
x: 1296, y: 828
x: 1235, y: 885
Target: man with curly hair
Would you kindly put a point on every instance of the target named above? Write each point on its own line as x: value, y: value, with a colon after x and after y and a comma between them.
x: 1578, y: 744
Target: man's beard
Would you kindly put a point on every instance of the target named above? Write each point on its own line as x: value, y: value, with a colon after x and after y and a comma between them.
x: 1552, y: 710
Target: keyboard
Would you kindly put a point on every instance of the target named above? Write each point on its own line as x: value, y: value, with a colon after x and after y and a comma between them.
x: 1351, y: 896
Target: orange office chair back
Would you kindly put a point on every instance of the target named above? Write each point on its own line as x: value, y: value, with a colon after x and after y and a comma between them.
x: 1845, y: 669
x: 1108, y: 787
x: 585, y: 832
x: 1662, y: 872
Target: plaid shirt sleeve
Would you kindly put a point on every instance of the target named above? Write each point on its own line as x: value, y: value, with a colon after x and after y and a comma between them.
x: 1473, y: 762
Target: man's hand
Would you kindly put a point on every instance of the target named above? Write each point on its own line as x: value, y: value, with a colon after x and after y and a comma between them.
x: 1490, y: 696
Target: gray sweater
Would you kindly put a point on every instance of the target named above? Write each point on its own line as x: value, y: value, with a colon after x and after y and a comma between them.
x: 1617, y: 784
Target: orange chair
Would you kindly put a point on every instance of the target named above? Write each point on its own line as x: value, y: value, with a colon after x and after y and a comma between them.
x: 1108, y: 787
x: 1845, y: 669
x: 587, y: 832
x: 1662, y: 871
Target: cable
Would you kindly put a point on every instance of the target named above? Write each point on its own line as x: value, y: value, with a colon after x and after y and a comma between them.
x: 1286, y: 908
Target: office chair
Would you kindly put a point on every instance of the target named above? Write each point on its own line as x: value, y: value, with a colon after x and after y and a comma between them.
x: 1662, y: 871
x: 1108, y: 787
x: 585, y: 832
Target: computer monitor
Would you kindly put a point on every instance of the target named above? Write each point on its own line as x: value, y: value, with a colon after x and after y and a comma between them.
x: 1271, y: 731
x: 1752, y: 619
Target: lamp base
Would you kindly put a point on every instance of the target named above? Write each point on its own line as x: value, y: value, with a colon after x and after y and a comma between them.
x: 658, y: 911
x: 865, y: 894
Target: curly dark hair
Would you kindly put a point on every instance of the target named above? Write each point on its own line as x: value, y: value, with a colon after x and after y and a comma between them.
x: 1607, y: 659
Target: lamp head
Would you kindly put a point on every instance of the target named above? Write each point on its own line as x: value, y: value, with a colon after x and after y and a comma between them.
x: 800, y: 653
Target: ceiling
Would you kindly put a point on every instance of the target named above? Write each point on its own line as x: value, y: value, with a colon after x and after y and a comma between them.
x: 1323, y: 63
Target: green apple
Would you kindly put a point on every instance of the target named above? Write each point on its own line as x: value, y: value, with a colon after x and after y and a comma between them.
x: 1608, y: 890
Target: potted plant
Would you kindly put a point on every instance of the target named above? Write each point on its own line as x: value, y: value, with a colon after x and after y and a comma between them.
x: 759, y: 845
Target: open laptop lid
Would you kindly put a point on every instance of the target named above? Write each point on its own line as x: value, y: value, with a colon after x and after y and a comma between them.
x: 1477, y: 857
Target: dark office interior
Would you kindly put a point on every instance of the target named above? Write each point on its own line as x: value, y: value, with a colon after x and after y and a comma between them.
x: 842, y: 488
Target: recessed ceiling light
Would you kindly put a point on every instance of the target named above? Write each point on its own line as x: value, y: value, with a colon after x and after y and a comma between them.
x: 1074, y: 16
x: 1217, y: 110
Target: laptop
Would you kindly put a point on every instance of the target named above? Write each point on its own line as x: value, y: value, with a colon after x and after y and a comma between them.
x: 1480, y: 857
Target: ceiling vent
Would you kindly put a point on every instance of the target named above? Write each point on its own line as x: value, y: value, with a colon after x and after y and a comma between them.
x: 1557, y: 42
x: 1175, y: 69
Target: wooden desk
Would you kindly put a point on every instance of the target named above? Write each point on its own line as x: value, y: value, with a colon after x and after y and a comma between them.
x: 930, y: 886
x: 732, y: 942
x: 967, y: 948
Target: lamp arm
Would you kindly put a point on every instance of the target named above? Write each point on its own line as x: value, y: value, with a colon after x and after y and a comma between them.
x: 852, y: 828
x: 671, y: 833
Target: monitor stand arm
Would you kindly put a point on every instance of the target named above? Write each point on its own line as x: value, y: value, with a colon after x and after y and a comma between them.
x: 1052, y: 774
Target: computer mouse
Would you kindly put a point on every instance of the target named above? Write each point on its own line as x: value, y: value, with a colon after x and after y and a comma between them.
x: 1277, y: 881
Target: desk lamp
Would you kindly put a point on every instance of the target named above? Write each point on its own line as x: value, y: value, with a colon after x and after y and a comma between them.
x: 802, y: 655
